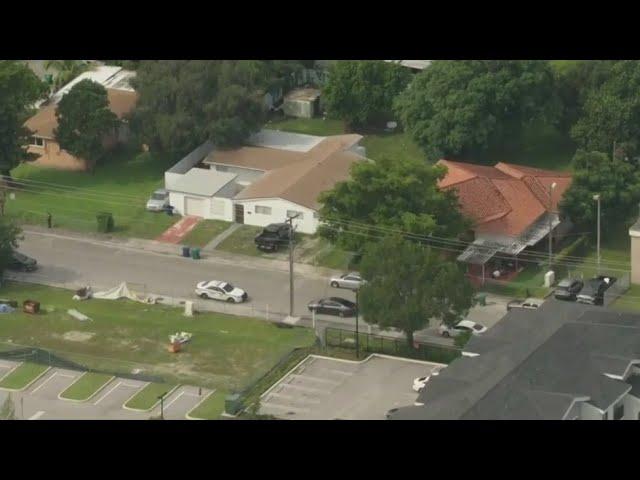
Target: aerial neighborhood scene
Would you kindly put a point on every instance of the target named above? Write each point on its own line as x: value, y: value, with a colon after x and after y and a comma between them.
x: 319, y: 240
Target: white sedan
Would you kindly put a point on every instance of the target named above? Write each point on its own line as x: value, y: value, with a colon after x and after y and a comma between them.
x: 420, y: 382
x: 352, y: 281
x: 217, y: 290
x: 461, y: 327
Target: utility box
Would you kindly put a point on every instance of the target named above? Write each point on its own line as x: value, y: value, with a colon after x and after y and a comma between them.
x: 549, y: 278
x: 233, y: 404
x: 188, y: 308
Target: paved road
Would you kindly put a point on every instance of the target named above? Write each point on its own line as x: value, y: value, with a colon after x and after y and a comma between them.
x: 77, y: 262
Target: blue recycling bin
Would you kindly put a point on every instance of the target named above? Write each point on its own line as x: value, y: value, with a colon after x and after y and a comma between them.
x: 186, y: 251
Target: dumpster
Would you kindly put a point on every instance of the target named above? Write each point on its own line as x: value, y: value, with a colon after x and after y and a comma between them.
x: 186, y: 251
x: 195, y: 253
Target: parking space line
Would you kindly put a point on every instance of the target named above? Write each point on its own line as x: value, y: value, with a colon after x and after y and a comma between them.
x: 131, y: 385
x: 44, y: 383
x: 37, y: 415
x: 314, y: 379
x: 173, y: 400
x: 108, y: 392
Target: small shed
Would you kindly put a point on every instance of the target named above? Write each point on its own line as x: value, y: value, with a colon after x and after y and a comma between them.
x: 302, y: 103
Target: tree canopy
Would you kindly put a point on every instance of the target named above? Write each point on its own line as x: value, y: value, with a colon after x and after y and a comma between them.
x: 387, y: 194
x: 615, y: 180
x: 65, y: 70
x: 84, y: 119
x: 611, y: 110
x: 186, y: 102
x: 20, y: 88
x: 361, y: 92
x: 408, y: 284
x: 464, y: 108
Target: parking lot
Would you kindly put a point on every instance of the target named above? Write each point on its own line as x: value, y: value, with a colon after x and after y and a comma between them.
x: 322, y: 388
x: 40, y: 401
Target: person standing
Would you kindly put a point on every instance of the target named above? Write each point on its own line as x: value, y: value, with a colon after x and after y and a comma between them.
x: 48, y: 220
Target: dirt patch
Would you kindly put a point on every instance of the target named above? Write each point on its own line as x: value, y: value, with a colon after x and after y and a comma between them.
x: 76, y: 336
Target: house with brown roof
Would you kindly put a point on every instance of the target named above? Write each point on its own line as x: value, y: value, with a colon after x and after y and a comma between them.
x: 512, y: 207
x: 275, y: 176
x: 122, y: 100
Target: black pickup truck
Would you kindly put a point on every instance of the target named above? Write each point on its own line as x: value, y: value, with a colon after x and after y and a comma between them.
x: 273, y: 236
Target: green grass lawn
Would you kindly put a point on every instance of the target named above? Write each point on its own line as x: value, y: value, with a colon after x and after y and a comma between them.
x: 211, y: 408
x: 325, y: 254
x: 309, y: 126
x: 23, y: 376
x: 86, y: 386
x: 630, y: 301
x: 121, y: 186
x: 146, y: 398
x: 241, y: 242
x: 204, y: 232
x: 225, y: 352
x: 392, y: 145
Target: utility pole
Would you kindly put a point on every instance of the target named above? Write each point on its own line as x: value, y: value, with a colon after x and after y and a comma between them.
x: 291, y: 247
x: 357, y: 333
x: 596, y: 197
x: 551, y: 188
x: 613, y: 155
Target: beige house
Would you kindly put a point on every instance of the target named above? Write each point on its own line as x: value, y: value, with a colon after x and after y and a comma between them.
x: 122, y: 100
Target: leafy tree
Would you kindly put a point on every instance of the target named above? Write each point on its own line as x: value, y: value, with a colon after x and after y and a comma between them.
x: 615, y: 180
x: 362, y: 92
x: 20, y: 88
x: 9, y: 236
x: 8, y: 409
x: 611, y: 111
x: 464, y: 108
x: 84, y: 120
x: 66, y: 70
x: 387, y: 194
x: 409, y: 284
x: 185, y: 102
x: 462, y: 339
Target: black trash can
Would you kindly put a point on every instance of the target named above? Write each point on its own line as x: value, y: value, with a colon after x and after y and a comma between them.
x: 169, y: 210
x: 186, y: 252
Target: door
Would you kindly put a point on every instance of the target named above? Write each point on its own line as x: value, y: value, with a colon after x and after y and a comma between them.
x: 194, y: 206
x: 239, y: 208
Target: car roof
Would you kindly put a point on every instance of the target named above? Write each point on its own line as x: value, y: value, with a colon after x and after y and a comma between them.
x: 338, y: 299
x: 161, y: 190
x: 466, y: 323
x: 215, y: 283
x: 565, y: 282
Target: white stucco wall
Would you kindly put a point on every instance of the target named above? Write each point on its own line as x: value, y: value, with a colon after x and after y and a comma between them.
x: 589, y: 412
x: 279, y: 208
x: 631, y: 407
x: 216, y: 208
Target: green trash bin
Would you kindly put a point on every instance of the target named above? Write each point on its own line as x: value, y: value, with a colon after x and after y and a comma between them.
x: 105, y: 222
x: 481, y: 299
x: 195, y: 253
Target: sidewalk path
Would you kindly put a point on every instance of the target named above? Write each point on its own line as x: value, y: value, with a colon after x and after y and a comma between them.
x: 176, y: 232
x: 213, y: 244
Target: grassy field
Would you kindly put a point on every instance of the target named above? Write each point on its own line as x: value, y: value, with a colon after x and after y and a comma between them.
x: 86, y: 386
x: 211, y: 408
x: 392, y: 145
x: 204, y: 232
x: 146, y: 398
x: 630, y: 301
x: 22, y: 376
x: 121, y: 186
x: 309, y: 126
x: 226, y: 351
x: 241, y: 242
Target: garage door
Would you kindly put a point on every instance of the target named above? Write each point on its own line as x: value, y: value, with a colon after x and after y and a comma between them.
x: 195, y: 206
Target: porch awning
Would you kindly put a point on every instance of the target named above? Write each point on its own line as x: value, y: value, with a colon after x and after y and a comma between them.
x: 479, y: 252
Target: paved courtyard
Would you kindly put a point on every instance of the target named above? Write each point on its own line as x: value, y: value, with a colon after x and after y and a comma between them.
x: 321, y: 388
x: 40, y: 401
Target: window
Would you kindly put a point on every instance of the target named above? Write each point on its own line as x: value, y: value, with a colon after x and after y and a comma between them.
x: 618, y: 412
x: 263, y: 210
x: 295, y: 213
x: 37, y: 141
x: 315, y: 215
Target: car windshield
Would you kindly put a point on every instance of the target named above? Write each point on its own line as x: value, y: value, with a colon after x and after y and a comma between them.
x: 227, y: 287
x: 158, y: 196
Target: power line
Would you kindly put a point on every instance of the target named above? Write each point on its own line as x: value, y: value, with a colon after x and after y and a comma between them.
x: 34, y: 183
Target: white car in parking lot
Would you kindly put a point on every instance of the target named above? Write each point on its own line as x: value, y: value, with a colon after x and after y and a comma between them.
x: 217, y: 290
x: 460, y: 327
x: 352, y: 281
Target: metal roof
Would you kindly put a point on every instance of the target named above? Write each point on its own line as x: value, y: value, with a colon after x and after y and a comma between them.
x: 201, y: 181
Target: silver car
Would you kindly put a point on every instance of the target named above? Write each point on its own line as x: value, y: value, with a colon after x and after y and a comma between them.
x: 158, y: 201
x: 352, y: 281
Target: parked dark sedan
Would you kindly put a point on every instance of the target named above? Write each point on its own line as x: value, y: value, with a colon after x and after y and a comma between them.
x: 21, y: 262
x: 568, y: 289
x: 593, y: 291
x: 334, y: 306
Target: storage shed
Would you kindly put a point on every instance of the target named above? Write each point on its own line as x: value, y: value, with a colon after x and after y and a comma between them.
x: 302, y: 103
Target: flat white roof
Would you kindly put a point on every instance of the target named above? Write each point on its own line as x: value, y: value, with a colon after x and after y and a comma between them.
x: 201, y: 181
x: 108, y: 76
x: 417, y: 64
x: 295, y: 142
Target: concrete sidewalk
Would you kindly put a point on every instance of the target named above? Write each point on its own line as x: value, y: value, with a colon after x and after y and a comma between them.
x: 208, y: 256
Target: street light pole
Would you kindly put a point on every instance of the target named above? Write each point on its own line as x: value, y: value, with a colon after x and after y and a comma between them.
x: 596, y: 197
x: 291, y: 247
x: 357, y: 333
x: 161, y: 397
x: 551, y: 188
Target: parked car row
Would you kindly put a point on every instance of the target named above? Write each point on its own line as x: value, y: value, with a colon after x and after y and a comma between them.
x: 590, y: 292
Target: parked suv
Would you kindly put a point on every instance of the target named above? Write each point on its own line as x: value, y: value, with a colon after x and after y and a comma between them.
x: 273, y: 236
x: 22, y: 263
x: 568, y: 289
x: 593, y: 291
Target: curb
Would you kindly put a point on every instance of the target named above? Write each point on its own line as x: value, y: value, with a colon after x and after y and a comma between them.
x: 124, y: 405
x: 10, y: 371
x: 188, y: 414
x: 27, y: 385
x: 102, y: 387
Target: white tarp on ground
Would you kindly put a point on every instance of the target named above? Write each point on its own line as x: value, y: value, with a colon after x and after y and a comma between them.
x: 122, y: 291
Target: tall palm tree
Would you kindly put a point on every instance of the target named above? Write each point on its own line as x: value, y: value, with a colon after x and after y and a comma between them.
x: 65, y: 70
